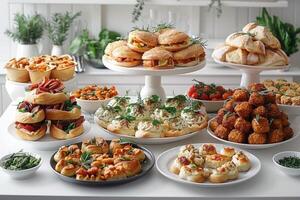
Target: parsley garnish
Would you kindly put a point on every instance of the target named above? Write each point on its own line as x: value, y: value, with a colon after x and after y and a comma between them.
x: 156, y: 122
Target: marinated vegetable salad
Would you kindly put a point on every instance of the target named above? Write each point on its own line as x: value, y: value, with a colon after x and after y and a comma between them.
x: 20, y: 161
x: 210, y: 92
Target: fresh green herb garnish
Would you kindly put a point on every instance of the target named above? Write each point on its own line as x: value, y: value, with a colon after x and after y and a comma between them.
x: 291, y: 161
x: 193, y: 165
x: 162, y: 26
x: 86, y: 160
x: 156, y: 122
x: 171, y: 110
x: 198, y: 40
x: 143, y: 28
x: 20, y: 161
x: 70, y: 127
x: 126, y: 117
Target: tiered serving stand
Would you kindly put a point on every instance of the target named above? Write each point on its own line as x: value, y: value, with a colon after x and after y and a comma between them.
x: 250, y: 74
x: 153, y: 84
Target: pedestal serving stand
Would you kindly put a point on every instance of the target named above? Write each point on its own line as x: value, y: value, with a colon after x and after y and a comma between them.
x: 250, y: 73
x: 153, y: 84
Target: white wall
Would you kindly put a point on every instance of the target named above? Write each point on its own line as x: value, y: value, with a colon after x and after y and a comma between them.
x: 196, y: 20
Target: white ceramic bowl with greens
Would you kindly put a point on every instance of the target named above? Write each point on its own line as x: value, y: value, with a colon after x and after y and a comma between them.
x: 292, y: 171
x: 12, y: 164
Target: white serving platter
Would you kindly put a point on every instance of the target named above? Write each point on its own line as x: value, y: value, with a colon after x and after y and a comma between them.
x: 250, y: 67
x: 47, y: 142
x: 165, y: 160
x: 140, y: 70
x: 289, y: 109
x: 164, y: 140
x: 257, y: 146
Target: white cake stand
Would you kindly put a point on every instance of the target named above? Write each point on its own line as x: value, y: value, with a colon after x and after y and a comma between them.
x: 250, y: 73
x: 152, y: 76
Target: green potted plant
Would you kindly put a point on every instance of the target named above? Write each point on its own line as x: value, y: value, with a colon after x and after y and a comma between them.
x: 286, y: 33
x: 27, y: 30
x: 58, y: 27
x: 92, y: 49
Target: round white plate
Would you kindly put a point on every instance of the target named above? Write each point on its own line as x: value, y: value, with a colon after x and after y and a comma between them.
x: 211, y: 106
x: 255, y: 146
x: 16, y: 90
x: 250, y: 67
x: 165, y: 160
x: 140, y: 70
x: 289, y: 109
x: 164, y: 140
x: 48, y: 142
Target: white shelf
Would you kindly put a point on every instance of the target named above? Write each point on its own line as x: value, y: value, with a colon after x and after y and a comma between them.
x: 229, y: 3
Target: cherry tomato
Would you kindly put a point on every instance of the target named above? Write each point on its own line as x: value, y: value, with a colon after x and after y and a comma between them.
x: 195, y: 95
x: 192, y: 90
x: 220, y: 89
x: 204, y: 96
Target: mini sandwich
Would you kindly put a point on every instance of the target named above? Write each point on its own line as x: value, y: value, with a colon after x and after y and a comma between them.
x: 65, y: 129
x: 112, y: 46
x: 30, y: 121
x: 126, y: 57
x: 158, y: 58
x: 141, y: 41
x: 47, y: 92
x: 68, y: 110
x: 173, y: 40
x: 190, y: 56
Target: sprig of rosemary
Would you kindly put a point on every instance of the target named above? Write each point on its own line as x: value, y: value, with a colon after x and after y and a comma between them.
x: 198, y: 40
x: 162, y: 26
x: 86, y: 160
x: 143, y: 28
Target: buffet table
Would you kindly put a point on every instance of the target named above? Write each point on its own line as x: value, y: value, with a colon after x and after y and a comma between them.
x: 177, y: 84
x: 270, y: 183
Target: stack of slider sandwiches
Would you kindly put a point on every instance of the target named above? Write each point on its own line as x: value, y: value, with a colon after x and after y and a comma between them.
x: 46, y: 105
x: 162, y: 48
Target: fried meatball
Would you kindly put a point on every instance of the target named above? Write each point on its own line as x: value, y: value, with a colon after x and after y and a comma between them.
x: 229, y: 105
x: 288, y: 132
x: 260, y: 110
x: 260, y: 125
x: 229, y: 120
x: 221, y: 132
x: 276, y: 124
x: 285, y: 122
x: 213, y: 124
x: 256, y: 87
x: 273, y: 111
x: 257, y: 138
x: 275, y: 136
x: 256, y: 99
x: 270, y: 97
x: 240, y: 95
x: 243, y: 109
x: 242, y: 125
x: 237, y: 136
x: 283, y: 115
x: 220, y: 115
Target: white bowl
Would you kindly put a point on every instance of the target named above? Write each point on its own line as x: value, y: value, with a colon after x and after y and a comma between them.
x: 211, y: 106
x: 91, y: 106
x: 287, y: 170
x: 16, y: 90
x: 21, y: 174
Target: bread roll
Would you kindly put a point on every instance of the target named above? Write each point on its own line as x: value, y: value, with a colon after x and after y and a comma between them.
x: 263, y: 34
x: 246, y: 42
x: 30, y: 118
